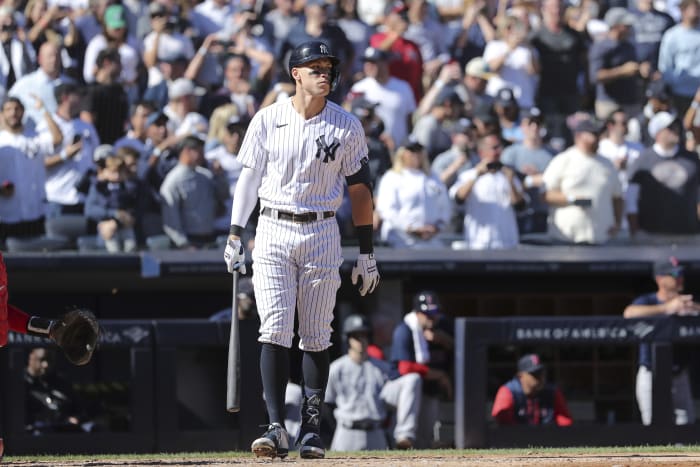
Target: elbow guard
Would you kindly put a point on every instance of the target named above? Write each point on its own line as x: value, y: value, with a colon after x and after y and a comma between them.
x: 361, y: 176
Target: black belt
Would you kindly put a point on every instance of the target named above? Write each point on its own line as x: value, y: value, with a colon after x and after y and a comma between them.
x: 364, y: 425
x: 301, y: 218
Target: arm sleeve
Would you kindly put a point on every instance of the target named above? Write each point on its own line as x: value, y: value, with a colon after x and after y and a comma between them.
x: 561, y: 411
x: 18, y: 319
x: 503, y: 407
x: 245, y: 196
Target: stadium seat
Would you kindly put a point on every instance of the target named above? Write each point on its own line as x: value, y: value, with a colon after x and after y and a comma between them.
x: 41, y: 243
x: 88, y: 243
x: 66, y: 226
x: 158, y: 242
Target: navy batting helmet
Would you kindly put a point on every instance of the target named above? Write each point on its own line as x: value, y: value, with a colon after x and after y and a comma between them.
x: 314, y: 50
x: 356, y: 323
x: 426, y: 302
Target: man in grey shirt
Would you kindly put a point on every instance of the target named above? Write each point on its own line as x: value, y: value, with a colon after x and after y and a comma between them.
x: 192, y: 197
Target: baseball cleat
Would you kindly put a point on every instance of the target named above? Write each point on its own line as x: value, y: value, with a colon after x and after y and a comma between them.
x: 404, y: 443
x: 273, y: 443
x: 311, y: 447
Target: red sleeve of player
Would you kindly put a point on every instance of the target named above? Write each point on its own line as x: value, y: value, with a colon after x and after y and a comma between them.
x: 561, y: 411
x: 375, y: 352
x: 18, y: 319
x: 406, y: 367
x: 504, y: 407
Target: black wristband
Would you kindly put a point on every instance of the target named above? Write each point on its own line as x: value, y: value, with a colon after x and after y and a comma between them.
x: 236, y: 230
x: 37, y: 326
x: 365, y: 234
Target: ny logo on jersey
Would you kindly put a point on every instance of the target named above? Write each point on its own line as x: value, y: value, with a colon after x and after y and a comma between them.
x: 328, y: 150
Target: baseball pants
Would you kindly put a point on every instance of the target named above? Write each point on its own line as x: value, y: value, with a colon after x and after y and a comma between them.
x: 682, y: 398
x: 404, y: 395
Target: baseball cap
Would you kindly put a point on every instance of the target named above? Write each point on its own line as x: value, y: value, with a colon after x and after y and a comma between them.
x: 448, y: 95
x: 658, y: 89
x: 156, y: 116
x: 533, y: 114
x: 115, y: 17
x: 618, y: 15
x: 373, y: 54
x: 412, y: 144
x: 478, y: 67
x: 668, y: 267
x: 400, y: 8
x: 461, y: 126
x: 587, y: 125
x: 193, y: 141
x: 426, y: 302
x: 235, y: 121
x: 484, y: 112
x: 182, y: 87
x: 102, y: 152
x: 506, y: 97
x: 530, y: 363
x: 660, y: 121
x: 361, y: 107
x: 156, y: 8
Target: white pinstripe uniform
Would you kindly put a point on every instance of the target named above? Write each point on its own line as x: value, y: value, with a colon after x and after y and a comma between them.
x: 304, y: 163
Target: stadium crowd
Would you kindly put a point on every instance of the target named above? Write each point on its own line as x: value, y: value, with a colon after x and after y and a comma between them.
x: 489, y: 124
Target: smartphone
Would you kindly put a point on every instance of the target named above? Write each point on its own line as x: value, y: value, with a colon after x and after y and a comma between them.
x: 77, y: 138
x: 495, y: 165
x: 583, y: 202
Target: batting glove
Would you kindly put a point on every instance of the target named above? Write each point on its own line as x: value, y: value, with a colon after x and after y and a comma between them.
x: 366, y: 271
x: 234, y: 256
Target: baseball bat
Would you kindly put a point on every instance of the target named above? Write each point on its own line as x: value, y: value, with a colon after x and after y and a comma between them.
x: 233, y: 377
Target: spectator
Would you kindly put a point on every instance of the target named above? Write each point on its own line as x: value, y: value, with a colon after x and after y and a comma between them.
x: 211, y: 16
x: 362, y: 389
x: 379, y: 157
x: 432, y: 130
x: 406, y: 62
x: 357, y: 32
x: 164, y: 44
x: 283, y: 18
x: 192, y: 198
x: 529, y: 159
x: 650, y: 25
x: 412, y: 203
x: 17, y: 56
x: 513, y: 61
x: 372, y: 12
x: 22, y: 210
x: 429, y: 34
x: 562, y: 53
x: 240, y: 88
x: 106, y: 104
x: 111, y: 204
x: 137, y: 135
x: 449, y: 164
x: 528, y: 399
x: 393, y: 96
x: 115, y: 35
x: 51, y: 405
x: 614, y: 68
x: 658, y: 96
x: 183, y: 118
x: 222, y: 159
x: 662, y: 197
x: 490, y: 190
x: 70, y: 161
x: 508, y: 112
x: 42, y: 82
x: 54, y: 23
x: 476, y: 77
x: 677, y: 64
x: 171, y: 67
x: 583, y: 191
x: 615, y: 147
x: 410, y: 354
x: 470, y: 31
x: 668, y: 300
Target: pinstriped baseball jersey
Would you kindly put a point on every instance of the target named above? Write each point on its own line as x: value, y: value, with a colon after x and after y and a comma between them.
x: 304, y: 161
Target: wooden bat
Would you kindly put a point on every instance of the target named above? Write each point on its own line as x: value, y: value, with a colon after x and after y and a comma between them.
x: 233, y: 377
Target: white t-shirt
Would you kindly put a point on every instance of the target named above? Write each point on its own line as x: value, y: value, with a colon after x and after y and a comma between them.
x: 513, y: 73
x: 582, y: 176
x: 410, y: 199
x: 396, y: 103
x: 489, y: 219
x: 615, y: 152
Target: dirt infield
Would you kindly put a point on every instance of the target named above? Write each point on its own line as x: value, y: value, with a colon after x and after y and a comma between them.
x: 446, y: 459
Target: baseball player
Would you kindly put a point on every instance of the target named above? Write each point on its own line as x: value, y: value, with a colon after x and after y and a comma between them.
x: 297, y: 155
x: 361, y: 389
x: 76, y: 332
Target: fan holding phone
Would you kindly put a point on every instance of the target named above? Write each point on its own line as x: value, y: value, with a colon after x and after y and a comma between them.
x: 490, y: 190
x: 583, y: 191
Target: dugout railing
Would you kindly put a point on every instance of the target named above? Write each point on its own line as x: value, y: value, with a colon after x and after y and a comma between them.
x: 474, y: 336
x: 163, y: 381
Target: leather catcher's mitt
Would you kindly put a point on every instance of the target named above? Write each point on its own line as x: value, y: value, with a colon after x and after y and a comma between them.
x: 76, y: 333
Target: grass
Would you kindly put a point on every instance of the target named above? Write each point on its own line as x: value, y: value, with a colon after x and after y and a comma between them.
x: 531, y: 451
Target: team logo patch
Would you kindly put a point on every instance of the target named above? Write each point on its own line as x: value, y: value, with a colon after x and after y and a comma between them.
x: 324, y: 50
x: 328, y: 150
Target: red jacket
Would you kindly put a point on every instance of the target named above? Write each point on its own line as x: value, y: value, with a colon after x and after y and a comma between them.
x: 11, y: 318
